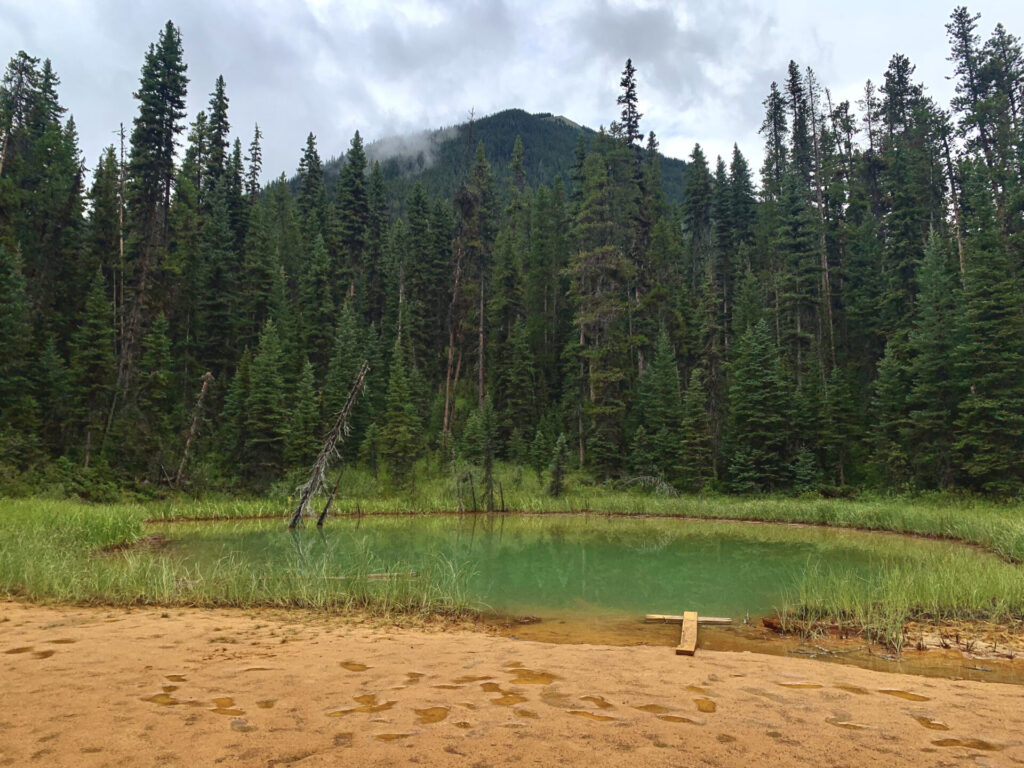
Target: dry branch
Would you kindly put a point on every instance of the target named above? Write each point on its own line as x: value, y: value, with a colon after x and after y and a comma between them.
x: 338, y: 431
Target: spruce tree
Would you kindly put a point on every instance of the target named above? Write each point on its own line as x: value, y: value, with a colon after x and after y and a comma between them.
x: 92, y: 367
x: 990, y: 421
x: 659, y: 411
x: 302, y: 442
x: 400, y: 431
x: 696, y: 465
x: 18, y: 407
x: 759, y: 426
x: 559, y: 465
x: 266, y: 411
x: 935, y: 388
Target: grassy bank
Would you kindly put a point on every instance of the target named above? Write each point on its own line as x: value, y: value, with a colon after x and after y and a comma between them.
x: 98, y: 554
x: 112, y: 554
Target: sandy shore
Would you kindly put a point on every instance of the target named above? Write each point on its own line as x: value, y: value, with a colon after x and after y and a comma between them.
x: 112, y: 687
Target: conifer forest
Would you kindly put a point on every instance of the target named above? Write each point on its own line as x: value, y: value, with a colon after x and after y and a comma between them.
x: 847, y: 317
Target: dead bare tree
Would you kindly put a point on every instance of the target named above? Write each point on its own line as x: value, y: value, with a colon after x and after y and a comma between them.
x: 338, y: 431
x: 196, y: 412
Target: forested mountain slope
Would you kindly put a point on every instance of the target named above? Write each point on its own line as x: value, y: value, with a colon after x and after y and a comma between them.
x: 537, y: 293
x: 441, y: 159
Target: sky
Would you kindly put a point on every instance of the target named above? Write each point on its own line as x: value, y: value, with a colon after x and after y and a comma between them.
x: 332, y: 67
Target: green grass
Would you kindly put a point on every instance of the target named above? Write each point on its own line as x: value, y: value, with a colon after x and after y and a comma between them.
x: 83, y: 554
x: 69, y: 551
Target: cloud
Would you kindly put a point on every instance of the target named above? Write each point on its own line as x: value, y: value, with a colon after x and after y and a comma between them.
x: 389, y: 68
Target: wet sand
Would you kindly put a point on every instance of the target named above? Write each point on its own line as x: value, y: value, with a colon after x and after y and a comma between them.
x: 142, y: 687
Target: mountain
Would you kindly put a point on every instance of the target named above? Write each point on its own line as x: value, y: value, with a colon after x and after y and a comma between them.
x: 440, y: 159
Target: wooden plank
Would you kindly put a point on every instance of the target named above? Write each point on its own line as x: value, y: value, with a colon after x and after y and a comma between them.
x: 668, y: 618
x: 688, y: 637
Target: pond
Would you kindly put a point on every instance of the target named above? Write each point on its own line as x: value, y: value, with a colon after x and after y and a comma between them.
x: 564, y: 566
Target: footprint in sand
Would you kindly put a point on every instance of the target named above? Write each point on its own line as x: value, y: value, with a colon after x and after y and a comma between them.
x: 853, y: 689
x: 934, y: 725
x: 507, y: 698
x: 391, y: 736
x: 598, y: 701
x: 591, y: 715
x: 799, y: 685
x: 531, y: 677
x: 842, y: 721
x: 368, y: 703
x: 967, y: 744
x: 225, y: 705
x: 354, y: 666
x: 705, y: 705
x: 654, y: 709
x: 431, y: 714
x: 903, y: 694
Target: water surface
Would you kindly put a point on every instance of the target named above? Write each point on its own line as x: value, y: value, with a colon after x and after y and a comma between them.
x: 567, y: 566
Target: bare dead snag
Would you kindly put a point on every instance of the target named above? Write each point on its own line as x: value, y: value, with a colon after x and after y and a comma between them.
x: 330, y: 500
x: 338, y: 431
x: 193, y: 427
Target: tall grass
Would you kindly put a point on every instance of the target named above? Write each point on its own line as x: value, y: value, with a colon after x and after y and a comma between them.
x: 76, y: 552
x: 84, y: 554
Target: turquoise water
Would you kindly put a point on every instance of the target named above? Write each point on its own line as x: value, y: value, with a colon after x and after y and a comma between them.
x: 566, y: 565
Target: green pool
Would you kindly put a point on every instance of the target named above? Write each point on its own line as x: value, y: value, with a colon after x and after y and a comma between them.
x: 561, y: 565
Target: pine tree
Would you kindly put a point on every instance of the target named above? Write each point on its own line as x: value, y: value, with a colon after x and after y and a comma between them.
x: 219, y: 310
x: 658, y: 411
x: 312, y: 196
x: 92, y: 367
x: 990, y: 422
x: 54, y: 395
x: 630, y: 115
x: 318, y: 307
x: 302, y: 443
x: 352, y: 217
x: 695, y: 456
x: 559, y: 464
x: 759, y: 428
x: 161, y: 96
x: 255, y: 160
x: 266, y: 411
x: 17, y: 406
x: 232, y: 439
x: 218, y: 135
x: 935, y: 389
x: 599, y: 273
x: 888, y: 416
x: 400, y: 433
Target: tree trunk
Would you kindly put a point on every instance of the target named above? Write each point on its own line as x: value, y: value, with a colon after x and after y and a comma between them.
x: 196, y: 412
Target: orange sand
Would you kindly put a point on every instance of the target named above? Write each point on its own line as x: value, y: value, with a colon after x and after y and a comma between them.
x: 113, y: 687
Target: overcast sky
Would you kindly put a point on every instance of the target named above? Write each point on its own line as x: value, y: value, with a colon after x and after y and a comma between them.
x: 334, y: 66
